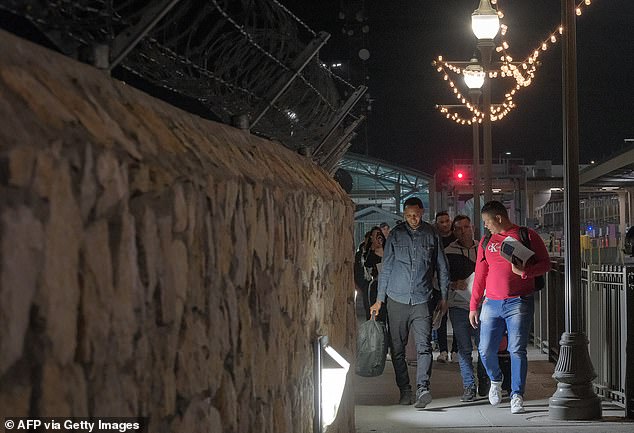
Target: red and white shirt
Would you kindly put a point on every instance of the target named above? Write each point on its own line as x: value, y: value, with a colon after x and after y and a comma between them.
x: 496, y: 274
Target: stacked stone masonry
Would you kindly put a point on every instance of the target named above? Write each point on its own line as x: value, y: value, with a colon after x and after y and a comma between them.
x: 155, y: 264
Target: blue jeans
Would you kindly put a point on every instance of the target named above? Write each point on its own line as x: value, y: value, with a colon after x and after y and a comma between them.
x: 462, y: 333
x: 516, y: 316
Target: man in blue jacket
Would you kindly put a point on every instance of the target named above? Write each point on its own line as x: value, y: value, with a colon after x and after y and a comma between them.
x: 412, y: 254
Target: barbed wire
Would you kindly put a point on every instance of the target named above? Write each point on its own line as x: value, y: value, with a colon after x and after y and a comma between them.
x: 226, y: 54
x: 296, y: 18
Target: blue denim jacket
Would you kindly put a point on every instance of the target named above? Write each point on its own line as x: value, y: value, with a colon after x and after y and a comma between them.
x: 410, y: 259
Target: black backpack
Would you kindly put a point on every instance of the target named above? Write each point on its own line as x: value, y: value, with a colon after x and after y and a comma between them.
x: 540, y: 282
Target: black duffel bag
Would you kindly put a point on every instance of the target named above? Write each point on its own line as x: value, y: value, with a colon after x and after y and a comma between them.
x: 371, y: 348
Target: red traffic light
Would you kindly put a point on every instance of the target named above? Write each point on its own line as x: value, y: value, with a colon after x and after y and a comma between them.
x: 459, y: 175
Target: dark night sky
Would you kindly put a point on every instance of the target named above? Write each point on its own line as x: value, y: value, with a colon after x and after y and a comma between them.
x: 404, y: 38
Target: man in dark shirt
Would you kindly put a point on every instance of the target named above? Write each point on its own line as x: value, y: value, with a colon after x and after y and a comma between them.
x: 443, y: 225
x: 412, y: 254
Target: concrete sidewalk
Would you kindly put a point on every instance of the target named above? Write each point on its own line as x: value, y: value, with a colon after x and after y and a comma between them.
x: 377, y: 411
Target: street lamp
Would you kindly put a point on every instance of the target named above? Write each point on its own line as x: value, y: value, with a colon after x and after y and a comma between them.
x: 486, y: 25
x: 485, y: 21
x: 474, y: 79
x: 575, y: 398
x: 474, y: 75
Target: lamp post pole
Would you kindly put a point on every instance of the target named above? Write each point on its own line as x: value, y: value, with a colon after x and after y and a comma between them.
x: 575, y: 398
x: 475, y: 96
x: 485, y: 46
x: 486, y: 25
x: 474, y: 79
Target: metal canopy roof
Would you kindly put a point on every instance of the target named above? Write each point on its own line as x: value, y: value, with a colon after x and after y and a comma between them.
x: 379, y: 182
x: 615, y: 172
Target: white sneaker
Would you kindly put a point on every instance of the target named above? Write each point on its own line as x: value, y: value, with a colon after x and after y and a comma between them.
x: 517, y: 404
x: 495, y: 393
x: 442, y: 357
x: 454, y: 356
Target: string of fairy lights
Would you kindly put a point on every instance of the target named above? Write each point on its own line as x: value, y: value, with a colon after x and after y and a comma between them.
x: 523, y: 72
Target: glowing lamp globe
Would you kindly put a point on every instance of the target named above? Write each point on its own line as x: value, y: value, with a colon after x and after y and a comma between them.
x: 485, y: 21
x: 474, y: 75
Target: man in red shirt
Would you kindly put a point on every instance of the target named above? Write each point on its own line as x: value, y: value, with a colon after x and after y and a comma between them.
x: 508, y: 304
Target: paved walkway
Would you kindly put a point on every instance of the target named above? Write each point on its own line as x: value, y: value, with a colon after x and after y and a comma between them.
x: 377, y: 411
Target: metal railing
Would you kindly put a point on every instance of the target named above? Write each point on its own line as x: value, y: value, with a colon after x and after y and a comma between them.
x: 607, y: 297
x: 252, y: 63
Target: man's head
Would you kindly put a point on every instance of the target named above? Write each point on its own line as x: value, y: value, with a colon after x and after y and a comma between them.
x: 495, y: 217
x: 413, y: 211
x: 443, y: 223
x: 385, y: 229
x: 462, y: 229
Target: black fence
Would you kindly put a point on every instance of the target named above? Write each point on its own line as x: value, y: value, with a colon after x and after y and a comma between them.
x: 607, y: 297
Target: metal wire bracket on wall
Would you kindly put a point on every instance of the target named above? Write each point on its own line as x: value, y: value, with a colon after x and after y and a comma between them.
x: 238, y: 59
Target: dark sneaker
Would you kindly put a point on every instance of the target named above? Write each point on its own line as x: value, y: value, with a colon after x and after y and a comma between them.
x: 442, y: 357
x: 469, y: 394
x: 423, y: 398
x: 406, y: 398
x: 483, y: 387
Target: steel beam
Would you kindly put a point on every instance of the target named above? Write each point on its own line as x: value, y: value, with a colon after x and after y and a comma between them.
x: 298, y: 66
x: 126, y: 41
x: 341, y: 114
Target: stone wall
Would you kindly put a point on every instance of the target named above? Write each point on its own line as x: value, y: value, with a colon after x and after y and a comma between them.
x: 155, y: 264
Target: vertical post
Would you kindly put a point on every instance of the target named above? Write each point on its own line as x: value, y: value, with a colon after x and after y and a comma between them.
x: 575, y: 398
x: 622, y: 222
x: 485, y: 46
x: 628, y: 299
x: 475, y: 171
x: 317, y: 421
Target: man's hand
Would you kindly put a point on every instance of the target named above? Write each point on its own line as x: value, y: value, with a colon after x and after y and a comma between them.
x: 374, y: 309
x: 473, y: 319
x: 518, y: 269
x: 443, y: 306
